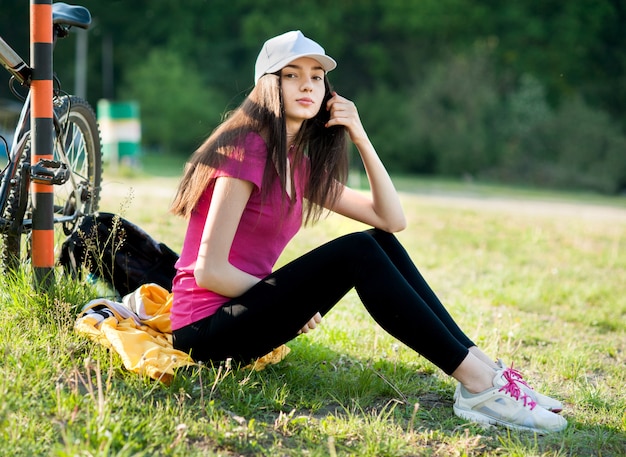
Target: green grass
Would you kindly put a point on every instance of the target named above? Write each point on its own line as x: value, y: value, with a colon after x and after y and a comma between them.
x: 536, y: 280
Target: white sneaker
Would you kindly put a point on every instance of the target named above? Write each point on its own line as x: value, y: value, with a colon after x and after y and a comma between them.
x: 508, y: 405
x: 542, y: 400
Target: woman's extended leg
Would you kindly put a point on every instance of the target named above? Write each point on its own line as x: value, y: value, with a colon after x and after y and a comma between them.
x: 466, y: 372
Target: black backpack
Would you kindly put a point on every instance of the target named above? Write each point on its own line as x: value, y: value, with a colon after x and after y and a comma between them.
x: 117, y: 251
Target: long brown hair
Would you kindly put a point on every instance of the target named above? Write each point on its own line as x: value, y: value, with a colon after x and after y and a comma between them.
x: 263, y: 112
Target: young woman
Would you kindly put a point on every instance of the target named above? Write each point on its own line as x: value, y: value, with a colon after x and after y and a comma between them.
x: 279, y: 160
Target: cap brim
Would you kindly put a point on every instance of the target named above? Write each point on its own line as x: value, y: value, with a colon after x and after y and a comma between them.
x: 328, y: 63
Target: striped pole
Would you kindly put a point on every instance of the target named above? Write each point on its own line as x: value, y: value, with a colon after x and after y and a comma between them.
x: 42, y: 138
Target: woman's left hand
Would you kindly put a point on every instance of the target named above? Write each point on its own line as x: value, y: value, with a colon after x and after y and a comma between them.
x: 312, y: 324
x: 344, y: 112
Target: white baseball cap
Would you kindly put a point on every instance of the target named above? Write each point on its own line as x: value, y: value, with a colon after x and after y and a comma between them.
x: 282, y: 49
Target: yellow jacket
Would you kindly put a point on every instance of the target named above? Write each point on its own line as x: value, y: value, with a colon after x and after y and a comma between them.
x: 139, y: 330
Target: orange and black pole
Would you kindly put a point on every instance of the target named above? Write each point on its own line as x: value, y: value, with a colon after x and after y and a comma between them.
x: 42, y: 128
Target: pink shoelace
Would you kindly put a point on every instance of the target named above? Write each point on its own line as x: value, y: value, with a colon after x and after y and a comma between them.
x: 513, y: 389
x: 517, y: 377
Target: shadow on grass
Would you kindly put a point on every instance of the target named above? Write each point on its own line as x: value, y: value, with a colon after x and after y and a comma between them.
x: 320, y: 380
x: 319, y: 384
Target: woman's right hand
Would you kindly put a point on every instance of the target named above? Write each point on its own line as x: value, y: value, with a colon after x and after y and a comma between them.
x: 312, y: 324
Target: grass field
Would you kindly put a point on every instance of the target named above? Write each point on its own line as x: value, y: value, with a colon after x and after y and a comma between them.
x: 535, y: 278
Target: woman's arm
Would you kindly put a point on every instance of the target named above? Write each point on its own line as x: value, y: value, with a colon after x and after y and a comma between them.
x: 382, y: 209
x: 213, y: 271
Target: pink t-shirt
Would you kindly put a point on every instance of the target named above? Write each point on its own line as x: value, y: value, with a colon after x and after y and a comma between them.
x: 265, y: 228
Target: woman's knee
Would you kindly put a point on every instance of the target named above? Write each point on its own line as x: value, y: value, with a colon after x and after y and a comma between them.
x: 362, y: 242
x: 382, y: 237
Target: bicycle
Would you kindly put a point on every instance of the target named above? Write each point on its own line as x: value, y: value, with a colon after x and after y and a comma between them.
x: 76, y: 168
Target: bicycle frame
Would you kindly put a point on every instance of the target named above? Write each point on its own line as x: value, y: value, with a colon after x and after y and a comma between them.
x: 14, y: 63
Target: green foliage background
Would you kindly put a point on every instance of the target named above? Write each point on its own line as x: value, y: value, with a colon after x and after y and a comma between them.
x: 521, y: 92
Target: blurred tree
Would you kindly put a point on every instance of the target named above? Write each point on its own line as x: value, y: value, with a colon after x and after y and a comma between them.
x: 455, y: 110
x: 384, y: 115
x: 177, y: 109
x: 574, y: 46
x: 578, y: 147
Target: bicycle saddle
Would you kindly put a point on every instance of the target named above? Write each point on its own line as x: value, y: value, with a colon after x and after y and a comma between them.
x: 75, y: 15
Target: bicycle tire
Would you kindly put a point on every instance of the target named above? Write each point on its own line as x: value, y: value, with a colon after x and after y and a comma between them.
x: 77, y: 133
x: 14, y: 212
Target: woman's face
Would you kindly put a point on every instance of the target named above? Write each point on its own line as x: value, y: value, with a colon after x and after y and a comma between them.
x: 303, y: 90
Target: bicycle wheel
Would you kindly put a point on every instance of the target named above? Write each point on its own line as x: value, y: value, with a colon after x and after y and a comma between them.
x: 76, y: 144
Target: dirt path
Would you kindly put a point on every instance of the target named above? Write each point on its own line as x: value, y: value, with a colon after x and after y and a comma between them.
x: 158, y: 193
x: 530, y: 206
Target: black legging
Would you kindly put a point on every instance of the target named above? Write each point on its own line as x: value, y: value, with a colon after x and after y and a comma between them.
x: 274, y: 310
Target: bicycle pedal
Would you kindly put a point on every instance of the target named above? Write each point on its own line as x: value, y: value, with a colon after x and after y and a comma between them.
x: 49, y: 172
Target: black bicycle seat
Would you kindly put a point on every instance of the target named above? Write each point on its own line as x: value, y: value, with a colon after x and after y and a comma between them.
x: 75, y: 15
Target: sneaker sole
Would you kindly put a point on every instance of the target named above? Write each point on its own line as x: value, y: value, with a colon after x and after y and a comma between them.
x: 473, y: 416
